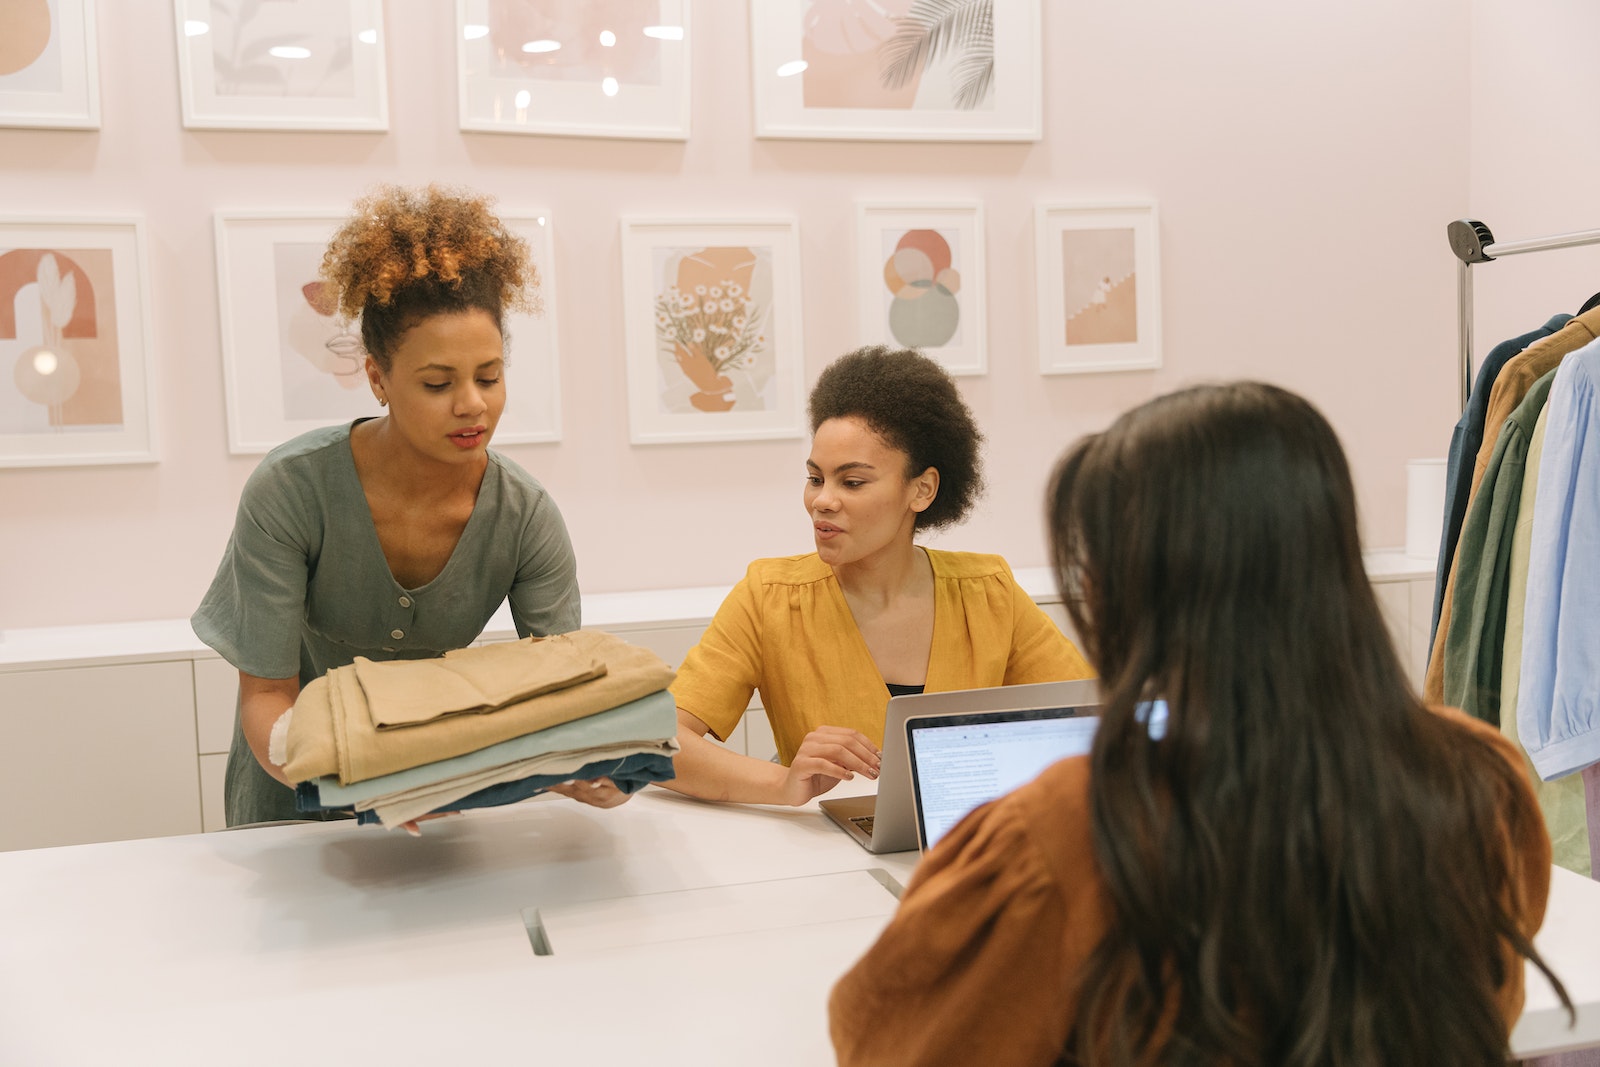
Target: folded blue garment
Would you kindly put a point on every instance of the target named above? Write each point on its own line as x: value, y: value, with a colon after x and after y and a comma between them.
x: 649, y: 718
x: 630, y: 774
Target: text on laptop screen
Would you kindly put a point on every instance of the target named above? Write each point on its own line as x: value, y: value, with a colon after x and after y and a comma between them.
x: 961, y: 762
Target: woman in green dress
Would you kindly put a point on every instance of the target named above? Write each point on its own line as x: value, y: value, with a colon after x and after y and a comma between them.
x: 394, y: 537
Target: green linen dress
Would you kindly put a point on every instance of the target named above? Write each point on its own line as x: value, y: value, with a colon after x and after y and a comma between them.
x: 304, y: 587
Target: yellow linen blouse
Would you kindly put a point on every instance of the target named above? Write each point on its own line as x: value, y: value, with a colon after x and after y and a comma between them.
x: 787, y: 631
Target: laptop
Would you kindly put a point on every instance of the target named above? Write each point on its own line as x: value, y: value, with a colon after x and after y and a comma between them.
x: 961, y: 761
x: 887, y: 822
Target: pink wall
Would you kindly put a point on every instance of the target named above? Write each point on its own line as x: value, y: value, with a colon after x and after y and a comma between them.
x: 1305, y: 160
x: 1534, y: 160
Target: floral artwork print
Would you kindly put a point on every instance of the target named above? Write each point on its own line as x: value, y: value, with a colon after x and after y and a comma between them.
x: 712, y: 315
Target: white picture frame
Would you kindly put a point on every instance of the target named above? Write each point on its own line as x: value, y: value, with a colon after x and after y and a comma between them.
x: 282, y: 65
x: 75, y: 384
x: 683, y: 385
x: 921, y: 280
x: 290, y: 365
x: 51, y: 74
x: 836, y: 70
x: 1098, y: 268
x: 621, y: 71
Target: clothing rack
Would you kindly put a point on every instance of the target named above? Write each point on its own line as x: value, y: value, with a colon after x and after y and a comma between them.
x: 1472, y: 243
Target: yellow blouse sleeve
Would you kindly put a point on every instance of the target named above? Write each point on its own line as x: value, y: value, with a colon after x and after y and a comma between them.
x: 721, y: 672
x: 1040, y: 652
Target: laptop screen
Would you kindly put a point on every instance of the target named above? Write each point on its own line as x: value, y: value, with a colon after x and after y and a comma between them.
x: 961, y: 761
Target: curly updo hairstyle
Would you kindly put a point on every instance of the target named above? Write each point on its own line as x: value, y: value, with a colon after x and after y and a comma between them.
x: 913, y: 404
x: 407, y: 254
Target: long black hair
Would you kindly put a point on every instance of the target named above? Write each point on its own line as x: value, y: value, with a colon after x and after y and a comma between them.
x: 1305, y: 865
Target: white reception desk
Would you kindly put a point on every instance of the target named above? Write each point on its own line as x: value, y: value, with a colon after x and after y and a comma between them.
x: 344, y: 944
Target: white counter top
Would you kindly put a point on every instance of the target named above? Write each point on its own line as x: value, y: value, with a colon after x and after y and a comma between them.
x: 336, y: 943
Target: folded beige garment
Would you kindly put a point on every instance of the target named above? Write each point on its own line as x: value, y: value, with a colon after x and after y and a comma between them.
x: 402, y: 693
x: 332, y: 733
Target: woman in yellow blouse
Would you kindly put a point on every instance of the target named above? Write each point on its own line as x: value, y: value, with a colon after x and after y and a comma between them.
x: 829, y: 636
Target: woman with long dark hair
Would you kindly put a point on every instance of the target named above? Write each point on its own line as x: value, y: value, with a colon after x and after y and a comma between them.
x: 1275, y: 854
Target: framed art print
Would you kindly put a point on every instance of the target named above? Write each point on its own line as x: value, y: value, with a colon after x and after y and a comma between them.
x: 897, y: 70
x: 920, y: 280
x: 282, y: 64
x: 74, y: 339
x: 711, y: 322
x: 49, y: 65
x: 1099, y: 277
x: 602, y: 68
x: 291, y: 364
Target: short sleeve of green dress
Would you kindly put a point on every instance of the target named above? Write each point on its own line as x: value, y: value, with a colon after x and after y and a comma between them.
x: 303, y: 586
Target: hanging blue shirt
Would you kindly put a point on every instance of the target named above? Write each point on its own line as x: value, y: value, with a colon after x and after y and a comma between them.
x: 1558, y: 698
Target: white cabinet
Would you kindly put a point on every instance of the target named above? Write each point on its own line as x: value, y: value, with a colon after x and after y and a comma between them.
x: 1404, y: 587
x: 119, y: 731
x: 98, y: 754
x: 216, y: 702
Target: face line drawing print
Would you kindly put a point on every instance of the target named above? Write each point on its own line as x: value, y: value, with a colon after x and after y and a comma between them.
x: 320, y: 361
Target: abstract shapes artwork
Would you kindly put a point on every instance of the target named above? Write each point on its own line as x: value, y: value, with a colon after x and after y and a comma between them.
x: 49, y: 64
x: 74, y: 388
x: 921, y: 281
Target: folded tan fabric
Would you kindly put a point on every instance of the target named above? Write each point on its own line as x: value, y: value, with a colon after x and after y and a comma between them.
x: 403, y: 693
x: 331, y: 732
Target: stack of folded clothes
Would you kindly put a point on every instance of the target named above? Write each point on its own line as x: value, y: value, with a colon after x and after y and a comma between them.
x: 478, y: 727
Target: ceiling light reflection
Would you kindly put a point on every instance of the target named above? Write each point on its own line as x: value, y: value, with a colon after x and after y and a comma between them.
x: 607, y: 38
x: 545, y: 45
x: 664, y: 33
x: 473, y: 31
x: 289, y: 51
x: 194, y: 28
x: 791, y: 68
x: 609, y: 86
x: 367, y: 36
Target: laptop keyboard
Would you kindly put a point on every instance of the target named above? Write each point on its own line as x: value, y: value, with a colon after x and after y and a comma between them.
x: 865, y: 822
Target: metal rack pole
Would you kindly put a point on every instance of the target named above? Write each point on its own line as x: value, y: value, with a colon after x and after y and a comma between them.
x: 1464, y: 327
x: 1472, y: 243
